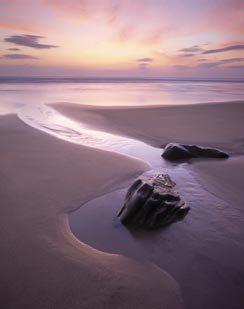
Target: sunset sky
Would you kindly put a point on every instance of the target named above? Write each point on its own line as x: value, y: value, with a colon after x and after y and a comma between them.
x: 161, y: 38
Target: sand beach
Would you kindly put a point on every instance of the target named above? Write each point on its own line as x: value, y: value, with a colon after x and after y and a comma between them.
x: 43, y: 179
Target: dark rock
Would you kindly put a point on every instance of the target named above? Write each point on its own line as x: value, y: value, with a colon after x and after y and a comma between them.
x: 174, y: 152
x: 152, y: 203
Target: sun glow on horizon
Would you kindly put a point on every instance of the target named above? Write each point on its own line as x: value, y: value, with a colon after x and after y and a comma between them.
x: 145, y: 38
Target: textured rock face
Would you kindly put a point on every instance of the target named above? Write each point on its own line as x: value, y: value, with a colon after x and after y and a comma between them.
x: 152, y: 203
x: 175, y: 152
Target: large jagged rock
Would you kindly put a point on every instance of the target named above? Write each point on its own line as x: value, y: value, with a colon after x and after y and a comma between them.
x: 152, y: 203
x: 174, y: 152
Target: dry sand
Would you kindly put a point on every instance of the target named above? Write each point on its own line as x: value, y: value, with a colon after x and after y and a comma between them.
x: 42, y: 264
x: 42, y: 179
x: 216, y: 124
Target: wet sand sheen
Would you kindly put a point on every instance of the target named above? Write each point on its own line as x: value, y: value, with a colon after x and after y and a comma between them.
x: 204, y: 253
x: 42, y: 264
x: 206, y: 124
x: 43, y: 178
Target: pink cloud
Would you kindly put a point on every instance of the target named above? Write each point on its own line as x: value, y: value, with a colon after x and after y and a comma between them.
x: 165, y: 25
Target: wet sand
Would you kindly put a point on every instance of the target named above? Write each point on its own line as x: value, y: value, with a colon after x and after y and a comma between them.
x: 204, y: 252
x: 44, y: 178
x: 208, y: 124
x: 42, y: 264
x: 225, y: 179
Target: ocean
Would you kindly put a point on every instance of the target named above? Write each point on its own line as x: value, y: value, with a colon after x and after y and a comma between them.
x: 30, y: 99
x: 16, y: 92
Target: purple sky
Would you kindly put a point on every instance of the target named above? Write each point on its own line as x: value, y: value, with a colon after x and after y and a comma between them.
x: 161, y: 38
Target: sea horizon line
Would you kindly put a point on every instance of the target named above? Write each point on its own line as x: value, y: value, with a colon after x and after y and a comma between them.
x: 115, y: 79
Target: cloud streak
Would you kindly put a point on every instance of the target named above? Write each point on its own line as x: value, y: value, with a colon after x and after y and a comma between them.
x: 29, y: 41
x: 220, y: 62
x: 18, y: 56
x: 145, y: 59
x: 13, y: 49
x: 188, y: 55
x: 192, y: 49
x: 224, y: 49
x: 102, y: 35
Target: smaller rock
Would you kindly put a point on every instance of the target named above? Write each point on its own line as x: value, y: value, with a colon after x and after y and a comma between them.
x: 152, y: 203
x: 174, y: 152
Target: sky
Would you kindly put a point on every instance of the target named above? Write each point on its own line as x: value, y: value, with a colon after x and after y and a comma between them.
x: 122, y: 38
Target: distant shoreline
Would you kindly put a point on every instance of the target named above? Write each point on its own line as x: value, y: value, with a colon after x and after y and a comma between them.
x: 36, y: 80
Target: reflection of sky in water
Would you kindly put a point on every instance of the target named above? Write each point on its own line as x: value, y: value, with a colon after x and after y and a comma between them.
x: 48, y: 120
x: 28, y: 101
x: 120, y: 93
